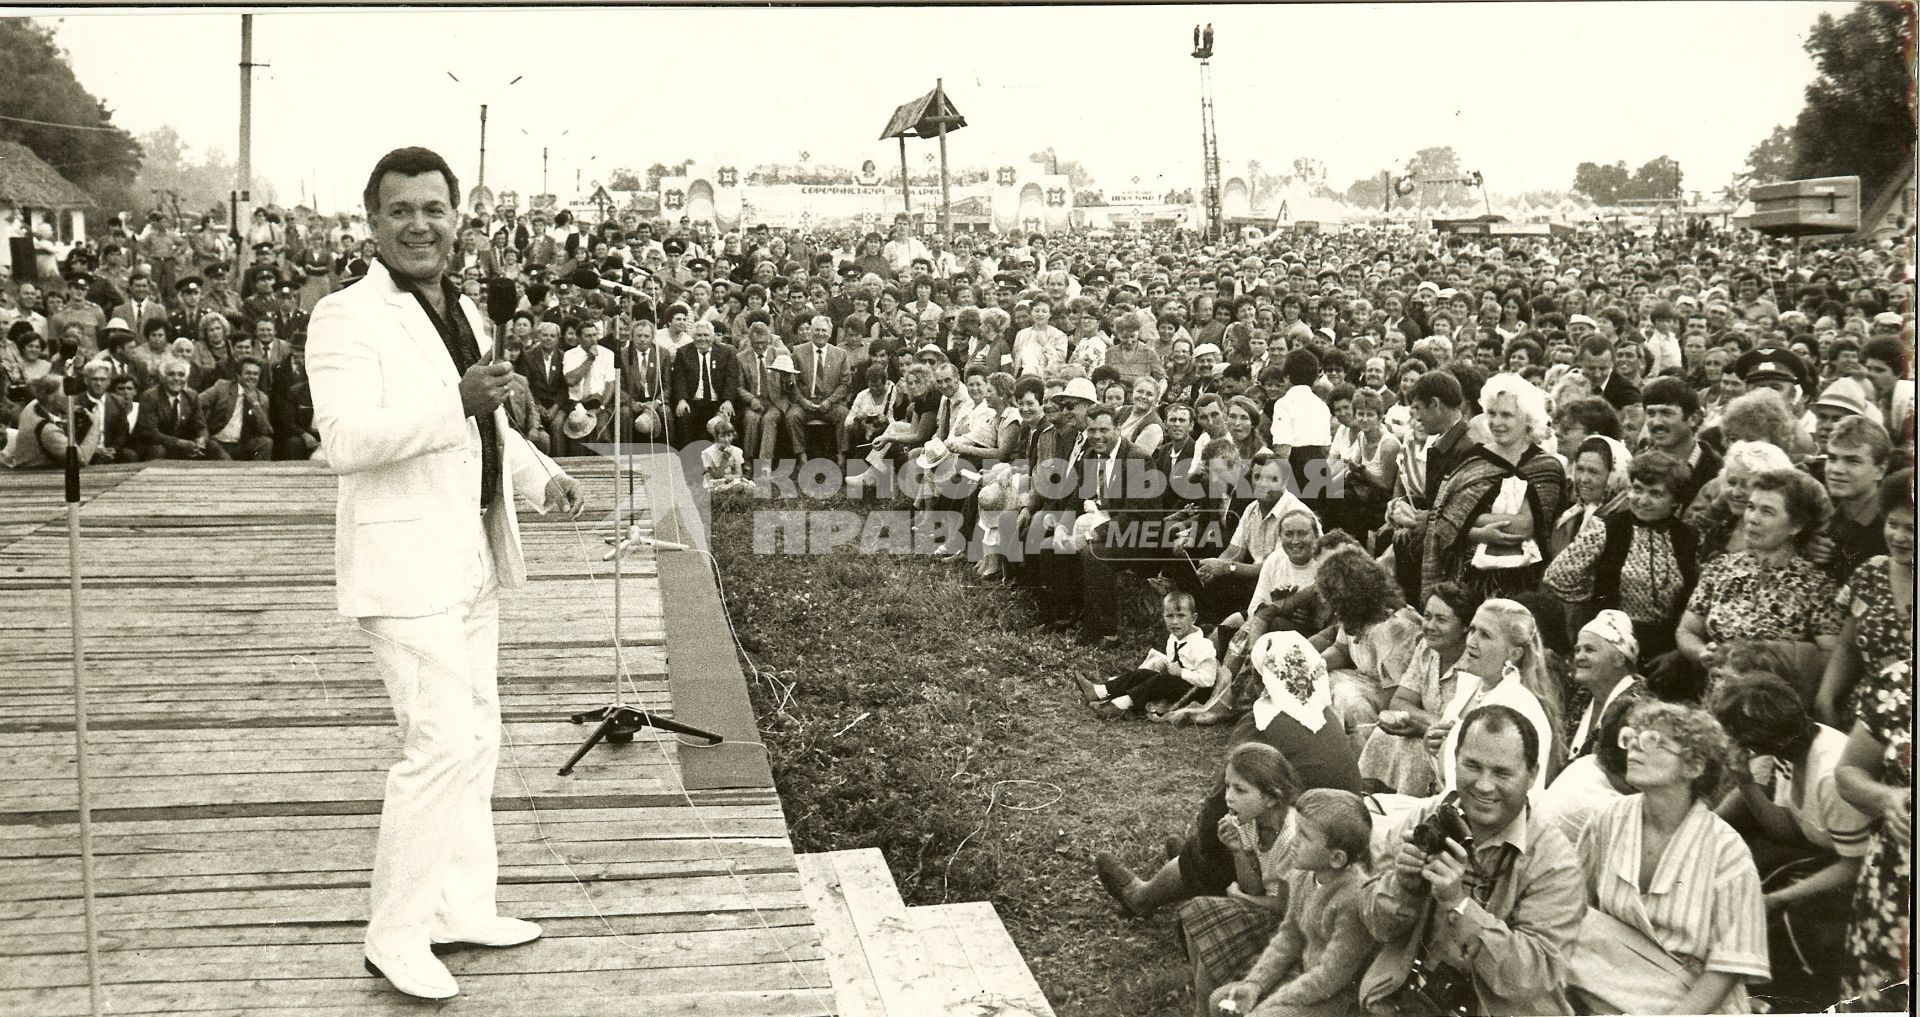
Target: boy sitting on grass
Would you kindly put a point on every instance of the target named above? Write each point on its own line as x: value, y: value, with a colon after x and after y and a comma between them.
x: 1168, y: 679
x: 1313, y: 964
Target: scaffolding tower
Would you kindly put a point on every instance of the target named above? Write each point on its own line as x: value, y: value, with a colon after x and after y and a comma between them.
x: 1209, y: 141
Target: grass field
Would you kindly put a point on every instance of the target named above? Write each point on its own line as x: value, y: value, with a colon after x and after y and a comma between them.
x: 905, y: 705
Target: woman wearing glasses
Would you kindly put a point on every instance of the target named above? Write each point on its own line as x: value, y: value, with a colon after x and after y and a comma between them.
x: 1676, y: 922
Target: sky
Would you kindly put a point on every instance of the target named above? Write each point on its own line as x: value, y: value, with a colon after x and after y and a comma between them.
x: 1524, y: 92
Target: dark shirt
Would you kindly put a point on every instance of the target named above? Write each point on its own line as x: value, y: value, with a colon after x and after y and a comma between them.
x: 465, y: 351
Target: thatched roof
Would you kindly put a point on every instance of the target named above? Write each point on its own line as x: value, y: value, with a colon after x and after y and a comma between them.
x: 28, y: 182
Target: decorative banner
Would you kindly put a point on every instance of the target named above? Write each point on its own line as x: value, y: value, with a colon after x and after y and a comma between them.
x: 507, y: 199
x: 675, y: 199
x: 1056, y: 197
x: 1005, y: 176
x: 728, y: 176
x: 805, y: 155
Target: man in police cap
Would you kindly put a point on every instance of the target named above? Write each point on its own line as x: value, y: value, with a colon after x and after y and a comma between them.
x: 1777, y: 369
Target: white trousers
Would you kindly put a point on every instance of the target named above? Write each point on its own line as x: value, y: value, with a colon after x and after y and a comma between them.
x: 435, y: 863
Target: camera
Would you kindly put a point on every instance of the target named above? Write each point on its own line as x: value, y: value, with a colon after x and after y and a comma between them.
x: 1444, y: 824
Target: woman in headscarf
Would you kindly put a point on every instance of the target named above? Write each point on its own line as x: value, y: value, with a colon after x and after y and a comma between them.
x: 1497, y: 505
x: 1596, y: 484
x: 1294, y: 714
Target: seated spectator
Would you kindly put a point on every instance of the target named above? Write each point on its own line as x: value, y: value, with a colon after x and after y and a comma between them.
x: 1807, y: 841
x: 1605, y: 655
x: 1223, y: 583
x: 1501, y: 664
x: 170, y: 425
x: 1225, y: 934
x: 1492, y: 920
x: 723, y: 465
x: 1294, y: 714
x: 1769, y: 591
x: 1374, y: 642
x: 1139, y: 422
x: 41, y: 437
x: 1641, y: 561
x: 1395, y: 757
x: 1362, y: 471
x: 1675, y: 920
x: 1314, y: 960
x: 1586, y: 785
x: 238, y: 414
x: 1278, y: 596
x: 1182, y: 672
x: 1875, y: 775
x: 1857, y: 452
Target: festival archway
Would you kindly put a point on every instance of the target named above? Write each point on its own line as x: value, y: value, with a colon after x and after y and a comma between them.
x: 1236, y: 201
x: 700, y: 207
x: 1032, y: 205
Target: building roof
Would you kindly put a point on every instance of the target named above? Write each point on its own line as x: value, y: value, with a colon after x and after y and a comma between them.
x: 28, y: 182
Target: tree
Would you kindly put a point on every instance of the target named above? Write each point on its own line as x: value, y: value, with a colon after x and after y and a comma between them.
x: 623, y: 179
x: 1433, y: 163
x: 169, y: 174
x: 1856, y: 120
x: 1367, y: 192
x: 39, y: 85
x: 1659, y: 178
x: 1603, y: 185
x: 1309, y: 173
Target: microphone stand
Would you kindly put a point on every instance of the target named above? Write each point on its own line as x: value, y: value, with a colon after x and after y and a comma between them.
x: 617, y: 722
x: 85, y: 801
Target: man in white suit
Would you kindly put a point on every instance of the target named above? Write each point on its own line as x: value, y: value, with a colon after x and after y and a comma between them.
x: 407, y: 399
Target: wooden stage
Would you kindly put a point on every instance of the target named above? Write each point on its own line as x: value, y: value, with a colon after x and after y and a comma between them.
x: 238, y: 749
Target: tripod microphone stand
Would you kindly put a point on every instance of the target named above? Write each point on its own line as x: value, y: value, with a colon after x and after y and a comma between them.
x: 617, y: 722
x: 71, y: 387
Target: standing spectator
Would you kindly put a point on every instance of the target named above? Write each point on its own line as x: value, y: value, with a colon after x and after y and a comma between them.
x: 1498, y: 504
x: 1876, y: 777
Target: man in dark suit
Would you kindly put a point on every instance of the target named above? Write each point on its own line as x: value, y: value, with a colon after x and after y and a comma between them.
x: 540, y: 365
x: 170, y: 424
x: 116, y: 442
x: 142, y: 305
x: 1115, y: 484
x: 706, y: 375
x: 294, y: 434
x: 239, y: 415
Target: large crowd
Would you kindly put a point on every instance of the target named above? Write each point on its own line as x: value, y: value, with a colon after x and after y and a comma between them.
x: 1558, y: 589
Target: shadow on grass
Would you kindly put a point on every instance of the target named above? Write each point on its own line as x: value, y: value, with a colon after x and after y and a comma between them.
x: 896, y: 694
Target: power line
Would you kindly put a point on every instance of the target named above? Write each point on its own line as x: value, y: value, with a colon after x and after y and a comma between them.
x: 49, y: 123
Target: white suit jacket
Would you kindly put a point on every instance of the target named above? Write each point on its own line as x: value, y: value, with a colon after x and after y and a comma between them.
x: 386, y: 401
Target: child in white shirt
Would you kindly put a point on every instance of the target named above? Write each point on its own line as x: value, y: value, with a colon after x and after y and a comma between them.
x: 1168, y: 679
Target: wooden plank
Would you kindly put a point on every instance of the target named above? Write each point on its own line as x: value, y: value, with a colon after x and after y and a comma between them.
x: 973, y: 931
x: 239, y: 744
x: 888, y: 941
x: 854, y: 990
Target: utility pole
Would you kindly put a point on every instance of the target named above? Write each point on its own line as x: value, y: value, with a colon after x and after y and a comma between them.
x: 482, y: 182
x: 946, y: 191
x: 1213, y: 227
x: 242, y: 196
x: 543, y: 169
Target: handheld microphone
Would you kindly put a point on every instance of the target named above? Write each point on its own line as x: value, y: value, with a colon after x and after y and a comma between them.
x: 587, y: 279
x: 502, y: 299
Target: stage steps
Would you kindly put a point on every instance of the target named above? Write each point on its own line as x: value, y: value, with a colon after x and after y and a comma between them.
x: 889, y: 960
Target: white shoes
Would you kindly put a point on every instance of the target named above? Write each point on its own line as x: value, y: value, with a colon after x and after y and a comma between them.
x: 496, y: 931
x: 416, y: 973
x: 420, y: 973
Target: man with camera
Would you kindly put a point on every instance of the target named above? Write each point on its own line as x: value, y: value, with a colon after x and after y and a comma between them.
x: 1479, y: 899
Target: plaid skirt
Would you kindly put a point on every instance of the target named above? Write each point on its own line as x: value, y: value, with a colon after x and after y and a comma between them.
x: 1226, y: 936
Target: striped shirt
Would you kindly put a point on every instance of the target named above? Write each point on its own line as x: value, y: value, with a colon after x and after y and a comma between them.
x: 1811, y: 796
x: 1703, y: 904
